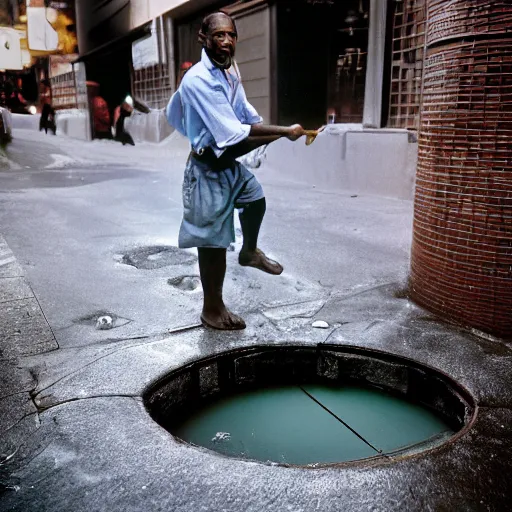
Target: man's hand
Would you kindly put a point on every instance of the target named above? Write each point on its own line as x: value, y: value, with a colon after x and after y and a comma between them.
x: 296, y: 132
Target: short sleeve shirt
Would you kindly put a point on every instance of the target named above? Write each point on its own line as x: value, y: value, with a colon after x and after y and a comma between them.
x: 209, y: 110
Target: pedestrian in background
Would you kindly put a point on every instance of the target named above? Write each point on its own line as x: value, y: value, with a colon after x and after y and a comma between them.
x: 120, y: 114
x: 102, y: 128
x: 47, y: 119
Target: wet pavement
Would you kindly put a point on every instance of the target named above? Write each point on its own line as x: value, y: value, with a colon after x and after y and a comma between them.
x: 90, y: 230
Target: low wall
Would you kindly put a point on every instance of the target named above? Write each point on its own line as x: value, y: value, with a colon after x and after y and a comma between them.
x: 73, y: 123
x: 152, y: 127
x: 380, y: 162
x: 26, y: 121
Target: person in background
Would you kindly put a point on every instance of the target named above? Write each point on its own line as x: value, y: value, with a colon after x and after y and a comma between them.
x: 47, y: 120
x: 183, y: 69
x: 15, y: 101
x: 100, y: 112
x: 120, y: 114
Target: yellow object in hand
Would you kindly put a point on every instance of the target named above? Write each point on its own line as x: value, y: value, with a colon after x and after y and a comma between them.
x: 310, y: 136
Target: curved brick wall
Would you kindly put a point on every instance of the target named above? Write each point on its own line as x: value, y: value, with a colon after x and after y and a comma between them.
x: 461, y: 264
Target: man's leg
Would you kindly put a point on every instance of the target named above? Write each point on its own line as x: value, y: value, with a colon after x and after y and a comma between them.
x: 251, y: 218
x: 212, y: 267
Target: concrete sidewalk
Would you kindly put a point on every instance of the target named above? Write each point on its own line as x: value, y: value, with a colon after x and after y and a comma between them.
x: 74, y: 432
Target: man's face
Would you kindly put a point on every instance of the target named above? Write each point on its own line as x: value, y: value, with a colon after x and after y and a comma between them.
x: 221, y: 39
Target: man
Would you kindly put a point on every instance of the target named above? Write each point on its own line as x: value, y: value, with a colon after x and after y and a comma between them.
x: 100, y: 112
x: 211, y: 109
x: 47, y: 119
x: 120, y: 114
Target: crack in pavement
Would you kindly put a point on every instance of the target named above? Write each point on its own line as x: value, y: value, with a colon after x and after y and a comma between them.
x: 26, y: 463
x: 160, y: 337
x: 36, y: 413
x: 17, y: 393
x: 44, y: 315
x: 14, y: 300
x: 137, y: 398
x: 332, y: 333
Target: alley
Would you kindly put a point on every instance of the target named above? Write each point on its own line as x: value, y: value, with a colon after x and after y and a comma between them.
x: 71, y: 219
x: 90, y: 231
x: 342, y: 342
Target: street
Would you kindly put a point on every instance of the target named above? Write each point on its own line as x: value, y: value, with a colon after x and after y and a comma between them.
x: 71, y: 219
x: 92, y: 229
x: 343, y: 343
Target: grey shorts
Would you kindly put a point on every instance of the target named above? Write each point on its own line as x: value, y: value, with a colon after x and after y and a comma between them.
x: 210, y: 198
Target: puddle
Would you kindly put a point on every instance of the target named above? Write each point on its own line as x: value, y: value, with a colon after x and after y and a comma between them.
x: 157, y: 256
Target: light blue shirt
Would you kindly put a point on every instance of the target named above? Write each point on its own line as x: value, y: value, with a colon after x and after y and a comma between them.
x: 210, y: 111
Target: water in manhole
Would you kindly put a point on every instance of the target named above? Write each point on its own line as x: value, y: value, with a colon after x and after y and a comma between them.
x: 309, y: 405
x: 286, y: 425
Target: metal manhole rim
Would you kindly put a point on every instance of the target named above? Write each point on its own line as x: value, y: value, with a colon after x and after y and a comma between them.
x: 421, y: 449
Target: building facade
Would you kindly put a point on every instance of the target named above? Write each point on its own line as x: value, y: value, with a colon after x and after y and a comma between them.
x: 301, y: 60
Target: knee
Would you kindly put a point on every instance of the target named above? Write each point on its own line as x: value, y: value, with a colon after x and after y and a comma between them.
x: 258, y: 207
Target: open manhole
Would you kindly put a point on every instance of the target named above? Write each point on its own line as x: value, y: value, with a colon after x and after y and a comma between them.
x: 310, y: 406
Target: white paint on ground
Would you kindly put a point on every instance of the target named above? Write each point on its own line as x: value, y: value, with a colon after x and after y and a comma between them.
x: 60, y: 161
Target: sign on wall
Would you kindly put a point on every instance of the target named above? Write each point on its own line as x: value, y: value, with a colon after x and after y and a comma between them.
x: 51, y: 26
x: 61, y: 64
x: 145, y: 51
x: 41, y: 35
x: 10, y: 49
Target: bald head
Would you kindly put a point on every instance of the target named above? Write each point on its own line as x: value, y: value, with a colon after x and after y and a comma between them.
x: 218, y: 36
x: 212, y: 21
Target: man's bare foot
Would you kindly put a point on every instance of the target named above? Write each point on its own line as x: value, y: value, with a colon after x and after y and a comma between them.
x: 223, y: 320
x: 259, y: 260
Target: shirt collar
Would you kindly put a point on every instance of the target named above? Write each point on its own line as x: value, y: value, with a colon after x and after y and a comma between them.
x: 210, y: 66
x: 206, y: 61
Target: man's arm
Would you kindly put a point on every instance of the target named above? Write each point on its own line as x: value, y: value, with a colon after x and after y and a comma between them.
x: 232, y: 137
x: 262, y: 134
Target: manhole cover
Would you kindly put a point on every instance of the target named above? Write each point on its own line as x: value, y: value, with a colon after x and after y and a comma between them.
x: 157, y: 256
x: 310, y: 406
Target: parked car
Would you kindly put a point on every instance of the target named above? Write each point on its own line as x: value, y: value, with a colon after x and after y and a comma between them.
x: 5, y: 125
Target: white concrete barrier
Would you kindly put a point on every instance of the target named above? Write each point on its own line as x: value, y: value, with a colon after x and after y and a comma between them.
x: 73, y: 123
x: 380, y: 162
x: 26, y: 121
x: 152, y: 127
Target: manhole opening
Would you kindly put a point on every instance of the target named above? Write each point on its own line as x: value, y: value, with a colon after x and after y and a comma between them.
x: 309, y: 406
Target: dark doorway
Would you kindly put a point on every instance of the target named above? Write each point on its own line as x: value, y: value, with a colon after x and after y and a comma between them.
x: 112, y: 72
x: 321, y: 60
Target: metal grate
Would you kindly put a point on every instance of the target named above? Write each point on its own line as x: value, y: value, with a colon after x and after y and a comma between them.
x: 462, y: 247
x: 154, y: 83
x: 407, y: 63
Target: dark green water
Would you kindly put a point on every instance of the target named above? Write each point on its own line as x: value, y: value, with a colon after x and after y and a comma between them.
x: 285, y: 425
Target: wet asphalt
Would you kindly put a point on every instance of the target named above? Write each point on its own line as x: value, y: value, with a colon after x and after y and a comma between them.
x: 90, y: 229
